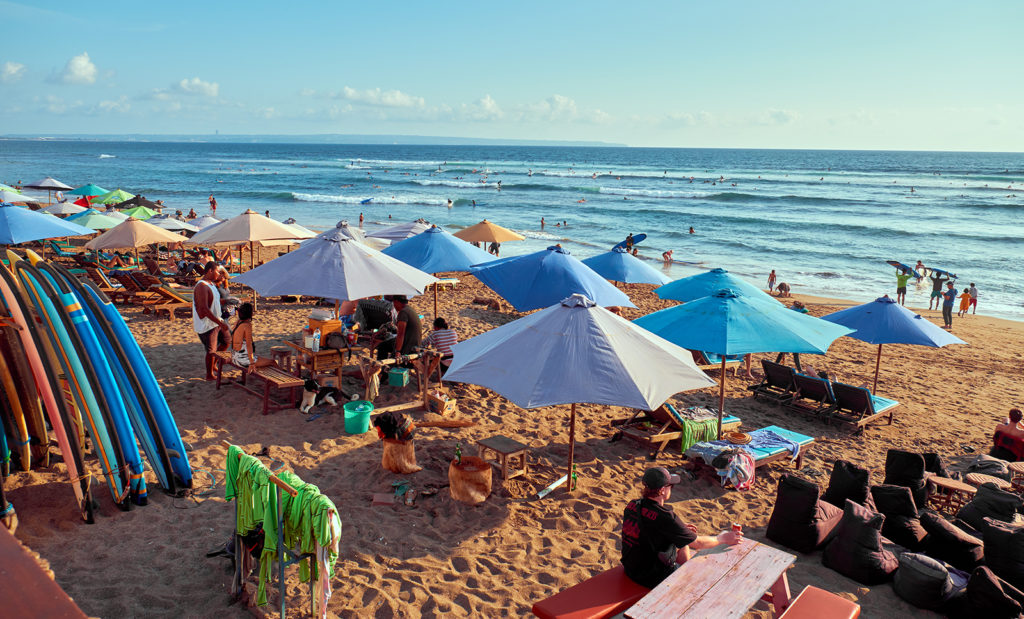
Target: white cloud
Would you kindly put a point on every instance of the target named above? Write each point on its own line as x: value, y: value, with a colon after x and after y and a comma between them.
x: 382, y: 98
x: 119, y: 106
x: 12, y: 71
x: 484, y: 109
x: 779, y: 117
x: 196, y: 86
x: 79, y: 70
x: 57, y: 105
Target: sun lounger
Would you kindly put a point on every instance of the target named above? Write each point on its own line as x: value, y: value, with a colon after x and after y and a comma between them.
x: 778, y: 385
x: 109, y: 288
x: 813, y: 395
x: 704, y: 452
x: 711, y: 361
x: 657, y: 428
x: 132, y: 292
x: 445, y: 282
x: 169, y: 301
x: 858, y: 406
x: 61, y: 251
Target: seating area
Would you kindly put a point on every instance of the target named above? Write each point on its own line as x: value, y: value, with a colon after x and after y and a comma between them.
x: 768, y: 445
x: 279, y: 390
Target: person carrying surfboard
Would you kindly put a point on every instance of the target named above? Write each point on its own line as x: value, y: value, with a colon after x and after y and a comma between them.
x: 902, y: 277
x: 937, y: 281
x: 629, y: 242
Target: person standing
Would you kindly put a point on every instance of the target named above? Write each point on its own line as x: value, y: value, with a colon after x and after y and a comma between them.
x: 541, y: 223
x: 360, y: 220
x: 902, y: 277
x: 937, y: 281
x: 213, y: 204
x: 771, y: 280
x: 948, y: 298
x: 206, y: 316
x: 629, y: 242
x: 974, y: 298
x: 494, y: 248
x: 654, y: 540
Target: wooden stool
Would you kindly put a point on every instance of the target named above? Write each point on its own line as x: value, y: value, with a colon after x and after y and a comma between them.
x: 510, y: 454
x: 949, y: 494
x: 1017, y: 476
x: 976, y: 479
x: 282, y: 355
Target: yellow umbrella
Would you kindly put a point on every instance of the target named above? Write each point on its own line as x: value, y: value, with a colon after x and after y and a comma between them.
x: 134, y: 233
x: 487, y: 232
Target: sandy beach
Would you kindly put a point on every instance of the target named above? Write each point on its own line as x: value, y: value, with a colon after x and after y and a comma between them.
x: 439, y: 557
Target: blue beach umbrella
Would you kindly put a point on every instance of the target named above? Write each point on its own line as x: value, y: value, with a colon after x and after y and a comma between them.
x: 18, y: 225
x: 884, y: 321
x: 88, y: 190
x: 436, y: 251
x: 707, y: 283
x: 729, y: 323
x: 544, y: 278
x: 619, y: 265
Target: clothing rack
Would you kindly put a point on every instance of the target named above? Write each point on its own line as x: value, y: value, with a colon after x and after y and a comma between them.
x: 285, y: 556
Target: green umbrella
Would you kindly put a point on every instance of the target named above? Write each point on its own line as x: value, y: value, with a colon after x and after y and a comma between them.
x: 139, y: 212
x: 113, y: 197
x: 8, y: 188
x: 95, y: 220
x: 89, y: 190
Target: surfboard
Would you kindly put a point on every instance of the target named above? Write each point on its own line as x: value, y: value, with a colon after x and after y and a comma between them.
x: 24, y: 386
x: 63, y: 337
x: 46, y: 373
x: 942, y: 272
x: 900, y: 265
x: 366, y: 201
x: 637, y: 239
x: 5, y: 452
x: 14, y: 419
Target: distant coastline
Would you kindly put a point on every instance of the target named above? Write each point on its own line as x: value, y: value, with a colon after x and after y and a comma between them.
x: 331, y: 138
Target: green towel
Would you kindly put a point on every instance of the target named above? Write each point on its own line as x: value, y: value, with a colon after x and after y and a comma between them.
x: 698, y: 431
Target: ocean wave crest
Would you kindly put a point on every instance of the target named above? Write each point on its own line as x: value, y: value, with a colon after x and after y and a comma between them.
x: 363, y: 199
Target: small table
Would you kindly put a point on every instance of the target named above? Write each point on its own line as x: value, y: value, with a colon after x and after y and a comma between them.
x: 325, y: 360
x: 976, y: 479
x: 511, y: 454
x: 1017, y: 476
x: 949, y: 495
x: 724, y: 581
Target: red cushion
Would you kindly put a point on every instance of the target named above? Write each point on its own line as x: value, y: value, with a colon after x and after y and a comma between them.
x: 607, y: 594
x: 815, y: 603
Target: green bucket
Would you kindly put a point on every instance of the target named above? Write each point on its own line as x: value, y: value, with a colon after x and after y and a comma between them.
x: 357, y: 416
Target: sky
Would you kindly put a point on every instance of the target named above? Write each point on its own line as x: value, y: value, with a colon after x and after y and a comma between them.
x: 909, y: 75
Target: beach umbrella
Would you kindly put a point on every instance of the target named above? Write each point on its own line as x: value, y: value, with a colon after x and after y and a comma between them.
x: 401, y: 231
x: 304, y: 231
x: 116, y: 214
x: 731, y: 323
x: 171, y: 223
x: 248, y: 227
x: 49, y: 184
x: 437, y: 251
x: 576, y: 352
x: 137, y: 200
x: 139, y: 212
x: 619, y: 265
x: 89, y: 190
x: 63, y: 208
x: 487, y: 232
x: 544, y: 278
x: 334, y: 266
x: 8, y: 188
x: 18, y: 225
x: 83, y: 202
x: 884, y: 321
x: 112, y: 197
x: 133, y: 233
x: 12, y: 196
x: 91, y: 218
x: 203, y: 222
x: 707, y: 283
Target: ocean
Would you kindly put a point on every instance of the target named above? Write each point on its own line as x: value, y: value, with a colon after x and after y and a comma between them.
x: 826, y: 221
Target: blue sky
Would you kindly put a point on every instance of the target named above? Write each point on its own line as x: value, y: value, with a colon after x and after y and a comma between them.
x: 865, y: 75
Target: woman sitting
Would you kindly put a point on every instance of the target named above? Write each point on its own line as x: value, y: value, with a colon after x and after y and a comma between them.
x: 442, y: 338
x: 243, y: 349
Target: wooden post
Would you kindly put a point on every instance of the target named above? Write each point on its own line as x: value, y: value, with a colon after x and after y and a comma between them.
x: 572, y: 446
x: 721, y: 398
x: 878, y: 363
x: 435, y: 300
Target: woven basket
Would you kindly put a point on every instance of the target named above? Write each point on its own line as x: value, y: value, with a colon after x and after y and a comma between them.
x: 738, y: 438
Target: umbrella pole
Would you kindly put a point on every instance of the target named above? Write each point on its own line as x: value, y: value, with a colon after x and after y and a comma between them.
x: 878, y: 363
x: 721, y: 398
x: 572, y: 444
x: 435, y: 300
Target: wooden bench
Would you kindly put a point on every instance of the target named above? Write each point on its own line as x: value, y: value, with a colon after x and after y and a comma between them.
x: 604, y: 595
x: 273, y: 378
x: 815, y: 603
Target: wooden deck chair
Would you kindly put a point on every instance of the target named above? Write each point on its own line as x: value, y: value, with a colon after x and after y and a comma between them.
x: 169, y: 301
x: 147, y: 281
x: 710, y: 361
x: 778, y: 385
x: 858, y: 407
x: 657, y: 428
x: 813, y: 395
x: 61, y: 251
x: 764, y: 455
x: 132, y: 291
x: 113, y: 290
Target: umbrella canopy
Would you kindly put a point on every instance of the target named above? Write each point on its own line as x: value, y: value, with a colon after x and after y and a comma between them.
x: 137, y: 200
x: 8, y: 188
x: 437, y: 251
x: 304, y: 231
x: 357, y: 234
x: 112, y: 197
x: 114, y: 213
x: 63, y: 208
x: 13, y: 196
x: 544, y: 278
x: 487, y: 232
x: 401, y: 231
x: 18, y: 225
x: 884, y: 321
x: 203, y: 222
x: 94, y: 219
x: 619, y: 265
x: 705, y: 284
x: 89, y: 190
x: 133, y: 233
x: 139, y: 212
x: 334, y: 266
x: 49, y: 184
x: 249, y: 226
x: 576, y: 352
x: 171, y: 223
x: 83, y: 202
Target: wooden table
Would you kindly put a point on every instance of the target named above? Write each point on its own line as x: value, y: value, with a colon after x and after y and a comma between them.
x: 510, y: 453
x: 976, y: 479
x: 720, y: 582
x: 949, y: 495
x: 324, y: 361
x: 1017, y: 476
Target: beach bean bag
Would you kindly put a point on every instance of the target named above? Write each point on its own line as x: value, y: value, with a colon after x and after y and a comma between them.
x: 903, y: 468
x: 986, y: 596
x: 901, y: 525
x: 987, y: 465
x: 949, y: 543
x: 848, y: 481
x: 856, y: 550
x: 933, y: 464
x: 922, y: 581
x: 1004, y: 551
x: 799, y: 519
x: 990, y: 502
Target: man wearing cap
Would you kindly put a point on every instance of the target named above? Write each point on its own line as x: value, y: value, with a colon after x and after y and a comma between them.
x: 410, y: 331
x: 654, y: 540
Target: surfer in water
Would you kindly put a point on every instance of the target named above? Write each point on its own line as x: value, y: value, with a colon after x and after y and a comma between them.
x: 449, y: 202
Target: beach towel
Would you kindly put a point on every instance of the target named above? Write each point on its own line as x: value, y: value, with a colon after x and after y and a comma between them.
x: 694, y: 432
x: 740, y: 471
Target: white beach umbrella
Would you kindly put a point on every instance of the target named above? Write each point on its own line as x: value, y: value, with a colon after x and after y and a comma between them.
x: 401, y: 231
x: 63, y: 208
x: 248, y: 227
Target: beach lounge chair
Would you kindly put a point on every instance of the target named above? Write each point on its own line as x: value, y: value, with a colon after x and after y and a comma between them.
x: 813, y: 395
x: 778, y: 385
x: 61, y: 251
x: 858, y: 407
x: 711, y: 361
x: 131, y: 291
x: 705, y: 452
x: 147, y: 280
x: 169, y: 301
x: 657, y: 428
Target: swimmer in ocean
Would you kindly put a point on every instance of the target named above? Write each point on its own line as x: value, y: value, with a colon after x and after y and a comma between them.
x: 449, y: 202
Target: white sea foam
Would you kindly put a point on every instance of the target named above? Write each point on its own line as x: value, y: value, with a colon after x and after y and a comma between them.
x: 106, y: 156
x: 462, y: 184
x: 359, y: 199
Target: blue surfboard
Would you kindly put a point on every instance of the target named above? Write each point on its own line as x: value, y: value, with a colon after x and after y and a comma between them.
x: 900, y: 265
x: 366, y: 201
x: 637, y: 239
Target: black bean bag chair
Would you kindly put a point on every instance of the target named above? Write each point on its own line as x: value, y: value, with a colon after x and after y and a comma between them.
x: 922, y: 581
x: 949, y: 543
x: 990, y: 502
x: 856, y: 550
x: 903, y: 468
x: 986, y: 596
x: 848, y: 481
x: 799, y: 519
x: 901, y: 525
x: 933, y: 464
x: 987, y: 465
x: 1004, y: 551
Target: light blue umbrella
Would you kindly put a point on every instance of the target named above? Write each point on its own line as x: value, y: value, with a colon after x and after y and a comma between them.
x: 729, y: 323
x: 544, y: 278
x: 94, y: 219
x: 88, y: 190
x: 619, y: 265
x: 18, y: 225
x: 707, y: 283
x: 884, y: 321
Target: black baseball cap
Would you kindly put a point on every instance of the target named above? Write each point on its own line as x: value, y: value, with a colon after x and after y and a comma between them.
x: 659, y: 477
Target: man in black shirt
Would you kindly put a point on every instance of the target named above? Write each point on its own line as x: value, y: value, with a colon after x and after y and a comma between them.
x: 654, y: 540
x: 410, y: 330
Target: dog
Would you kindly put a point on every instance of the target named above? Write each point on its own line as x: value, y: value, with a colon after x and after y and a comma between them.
x: 315, y: 395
